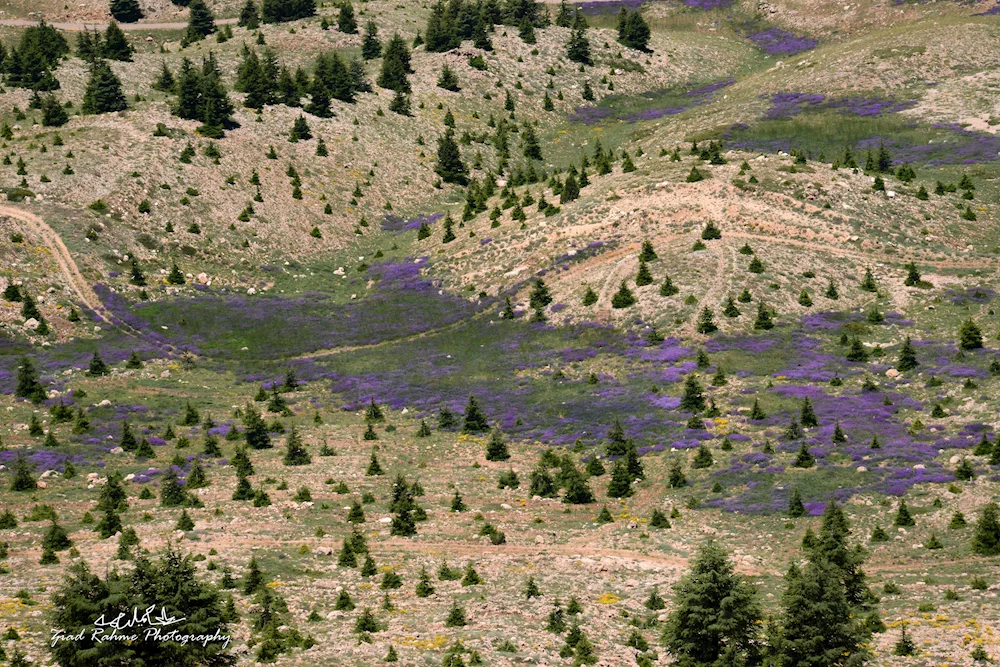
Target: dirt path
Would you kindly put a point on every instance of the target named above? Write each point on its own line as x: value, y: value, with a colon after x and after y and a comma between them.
x: 60, y: 253
x: 77, y: 27
x: 71, y: 272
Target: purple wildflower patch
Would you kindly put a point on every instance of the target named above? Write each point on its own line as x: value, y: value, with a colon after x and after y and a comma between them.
x: 778, y: 42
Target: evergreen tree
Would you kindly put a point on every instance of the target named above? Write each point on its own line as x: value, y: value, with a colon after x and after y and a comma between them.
x: 254, y: 429
x: 620, y: 484
x: 496, y: 449
x: 175, y: 277
x: 126, y: 11
x: 540, y: 296
x: 23, y: 478
x: 970, y: 336
x: 868, y: 282
x: 449, y: 165
x: 795, y: 506
x: 346, y: 22
x: 907, y: 357
x: 300, y: 130
x: 529, y: 143
x: 116, y: 46
x: 578, y: 47
x: 448, y: 79
x: 371, y: 47
x: 97, y: 366
x: 817, y: 629
x: 171, y: 492
x: 633, y: 31
x: 395, y: 66
x: 279, y: 11
x: 763, y: 321
x: 475, y: 421
x: 903, y: 517
x: 542, y: 484
x: 807, y: 416
x: 623, y: 298
x: 104, y: 91
x: 27, y: 385
x: 716, y: 616
x: 706, y: 321
x: 249, y: 16
x: 201, y: 21
x: 170, y: 583
x: 693, y: 399
x: 913, y: 276
x: 374, y: 468
x: 295, y: 452
x: 577, y: 491
x: 986, y: 539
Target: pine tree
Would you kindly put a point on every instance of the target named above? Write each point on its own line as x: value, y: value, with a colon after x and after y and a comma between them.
x: 970, y: 336
x: 249, y: 16
x: 346, y: 22
x: 448, y: 79
x: 620, y: 484
x: 907, y: 357
x: 171, y: 492
x: 903, y: 517
x: 693, y: 399
x: 374, y: 468
x: 449, y: 165
x: 807, y: 416
x: 97, y: 366
x: 115, y: 45
x: 371, y: 47
x: 578, y: 48
x: 716, y: 616
x: 395, y: 66
x: 623, y: 298
x: 530, y: 146
x: 633, y: 31
x: 126, y: 11
x: 475, y: 421
x: 175, y: 277
x: 795, y: 506
x: 868, y: 282
x: 703, y: 459
x: 295, y: 452
x: 104, y: 91
x: 23, y: 478
x: 986, y: 538
x: 496, y: 449
x: 817, y: 629
x: 201, y: 21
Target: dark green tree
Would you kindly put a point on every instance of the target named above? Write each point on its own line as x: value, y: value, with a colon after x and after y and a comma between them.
x: 816, y: 626
x: 249, y: 16
x: 716, y: 616
x: 104, y: 91
x: 201, y: 21
x: 449, y: 164
x: 986, y: 538
x: 970, y: 336
x: 116, y: 45
x: 346, y: 22
x: 693, y: 400
x: 475, y: 421
x: 371, y: 47
x: 126, y: 11
x: 496, y: 449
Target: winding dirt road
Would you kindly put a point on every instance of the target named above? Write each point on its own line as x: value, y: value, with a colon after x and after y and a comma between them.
x: 60, y: 253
